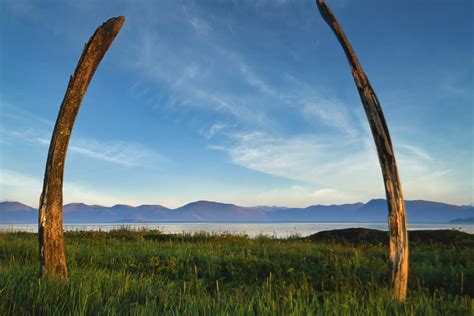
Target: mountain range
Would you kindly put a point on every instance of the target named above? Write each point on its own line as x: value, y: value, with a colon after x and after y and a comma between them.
x: 418, y: 211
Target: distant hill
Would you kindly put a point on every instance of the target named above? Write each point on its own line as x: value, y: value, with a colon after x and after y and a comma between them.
x: 213, y: 211
x: 15, y: 212
x: 469, y: 220
x: 373, y: 211
x: 418, y: 211
x: 82, y: 213
x: 321, y: 213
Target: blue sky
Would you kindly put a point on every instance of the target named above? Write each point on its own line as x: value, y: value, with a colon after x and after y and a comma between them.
x: 247, y: 102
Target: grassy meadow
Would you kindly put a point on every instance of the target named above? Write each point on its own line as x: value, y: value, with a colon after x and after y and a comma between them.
x: 150, y: 273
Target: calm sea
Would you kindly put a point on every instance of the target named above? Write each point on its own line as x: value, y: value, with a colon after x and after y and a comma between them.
x: 251, y: 229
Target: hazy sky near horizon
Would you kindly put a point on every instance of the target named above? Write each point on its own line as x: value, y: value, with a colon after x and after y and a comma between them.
x: 247, y: 102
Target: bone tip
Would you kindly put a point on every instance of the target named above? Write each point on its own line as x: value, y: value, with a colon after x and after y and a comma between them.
x: 117, y: 22
x: 120, y: 20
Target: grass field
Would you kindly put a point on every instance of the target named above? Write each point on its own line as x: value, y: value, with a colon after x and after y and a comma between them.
x: 147, y: 272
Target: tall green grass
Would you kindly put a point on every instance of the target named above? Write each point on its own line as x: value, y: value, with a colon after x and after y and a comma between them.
x: 149, y: 273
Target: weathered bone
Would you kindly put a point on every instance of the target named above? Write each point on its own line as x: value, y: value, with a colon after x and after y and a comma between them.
x: 50, y: 220
x: 393, y: 187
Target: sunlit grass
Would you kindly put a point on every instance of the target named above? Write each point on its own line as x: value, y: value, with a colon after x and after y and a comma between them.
x: 147, y: 272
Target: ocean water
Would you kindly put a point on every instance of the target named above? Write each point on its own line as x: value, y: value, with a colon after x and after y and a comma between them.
x: 251, y: 229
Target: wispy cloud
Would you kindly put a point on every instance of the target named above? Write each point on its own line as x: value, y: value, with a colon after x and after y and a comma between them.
x: 347, y: 170
x: 256, y: 81
x: 19, y: 186
x: 126, y: 154
x: 214, y: 129
x: 311, y: 158
x: 194, y: 81
x: 123, y: 153
x: 415, y: 151
x: 9, y: 112
x: 331, y: 113
x: 199, y: 24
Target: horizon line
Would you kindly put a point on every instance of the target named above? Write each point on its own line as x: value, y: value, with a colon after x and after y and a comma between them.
x: 209, y: 201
